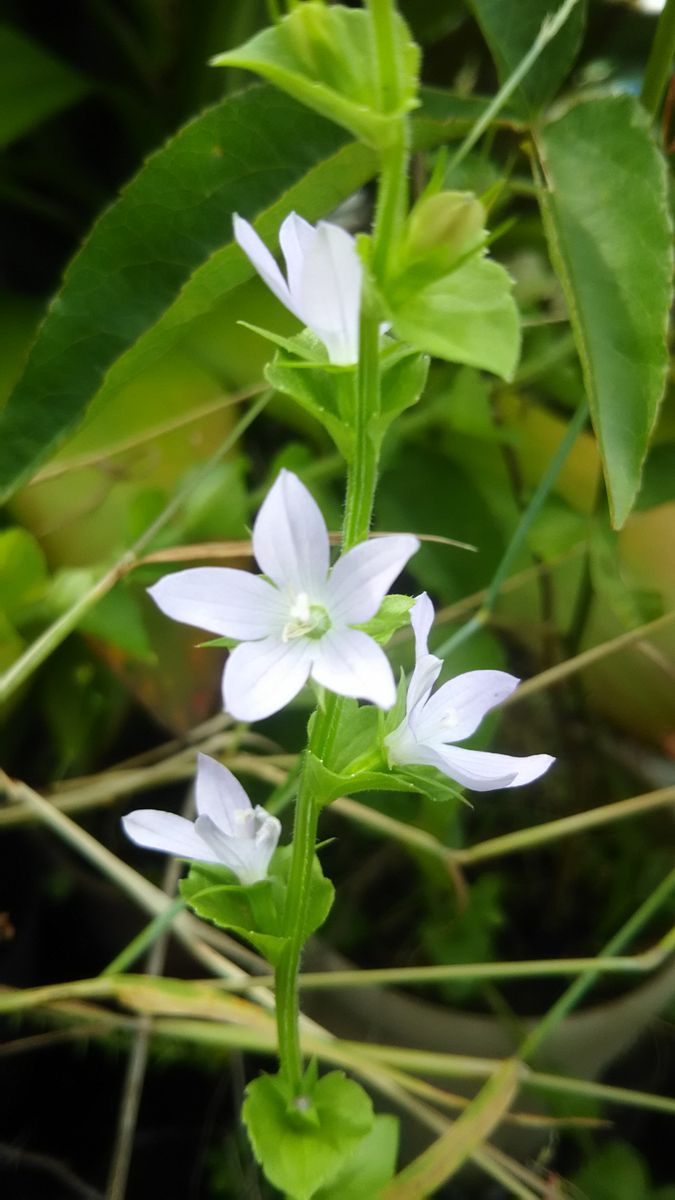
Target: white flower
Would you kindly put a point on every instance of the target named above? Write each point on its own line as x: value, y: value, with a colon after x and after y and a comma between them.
x: 228, y: 830
x: 432, y: 724
x: 324, y: 279
x: 297, y: 622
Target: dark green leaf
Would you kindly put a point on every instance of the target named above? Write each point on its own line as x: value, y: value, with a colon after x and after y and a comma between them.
x: 606, y: 220
x: 658, y: 477
x: 33, y: 84
x: 174, y: 218
x: 510, y: 27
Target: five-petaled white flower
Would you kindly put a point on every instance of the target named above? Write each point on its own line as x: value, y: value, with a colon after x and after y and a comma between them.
x: 227, y: 830
x: 298, y: 621
x: 325, y: 276
x: 432, y: 724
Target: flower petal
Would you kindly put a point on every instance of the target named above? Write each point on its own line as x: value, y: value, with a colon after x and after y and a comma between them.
x: 362, y: 577
x: 458, y: 707
x: 296, y: 237
x: 261, y: 677
x: 328, y: 292
x: 290, y: 539
x: 245, y: 856
x: 426, y: 672
x: 218, y: 794
x: 224, y: 601
x: 350, y: 663
x: 482, y: 771
x: 256, y: 251
x: 167, y: 832
x: 421, y: 619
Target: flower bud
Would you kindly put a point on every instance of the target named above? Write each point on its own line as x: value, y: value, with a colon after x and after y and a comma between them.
x: 449, y: 221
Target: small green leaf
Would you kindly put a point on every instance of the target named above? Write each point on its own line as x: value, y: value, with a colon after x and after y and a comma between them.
x: 467, y: 317
x: 300, y: 1157
x: 23, y: 573
x: 370, y: 1165
x: 253, y: 912
x: 606, y: 221
x: 510, y: 29
x: 328, y: 396
x: 326, y: 58
x: 328, y: 785
x: 393, y: 614
x: 33, y: 84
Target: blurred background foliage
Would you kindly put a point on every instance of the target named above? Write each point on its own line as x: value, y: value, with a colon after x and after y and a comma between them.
x: 88, y: 90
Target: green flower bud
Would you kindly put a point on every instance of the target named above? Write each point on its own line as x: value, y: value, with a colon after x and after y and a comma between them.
x: 449, y: 221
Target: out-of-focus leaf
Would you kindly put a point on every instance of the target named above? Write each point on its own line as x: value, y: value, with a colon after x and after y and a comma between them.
x: 606, y: 221
x: 370, y: 1165
x: 658, y: 477
x: 23, y: 573
x: 33, y: 84
x: 510, y: 27
x: 256, y: 153
x: 162, y: 256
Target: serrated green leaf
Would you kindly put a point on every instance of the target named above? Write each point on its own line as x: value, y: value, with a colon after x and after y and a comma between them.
x: 370, y: 1165
x: 326, y: 58
x: 393, y: 614
x: 468, y: 317
x: 510, y: 27
x: 33, y: 84
x: 300, y: 1158
x: 605, y: 216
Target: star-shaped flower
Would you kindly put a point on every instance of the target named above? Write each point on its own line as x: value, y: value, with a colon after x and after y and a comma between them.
x: 227, y: 830
x: 324, y: 283
x: 433, y: 724
x: 298, y: 622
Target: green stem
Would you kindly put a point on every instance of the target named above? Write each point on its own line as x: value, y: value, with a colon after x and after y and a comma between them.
x: 361, y: 482
x: 660, y: 60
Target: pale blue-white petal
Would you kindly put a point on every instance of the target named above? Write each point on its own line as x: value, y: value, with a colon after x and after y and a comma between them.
x: 261, y: 677
x: 290, y: 539
x: 362, y: 577
x: 421, y: 619
x: 328, y: 292
x: 225, y: 601
x: 458, y: 707
x: 218, y: 794
x: 482, y: 771
x: 296, y: 237
x: 256, y: 251
x: 426, y: 672
x: 247, y: 857
x: 350, y: 663
x: 157, y: 830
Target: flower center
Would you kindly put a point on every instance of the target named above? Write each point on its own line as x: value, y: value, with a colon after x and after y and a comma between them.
x: 305, y: 619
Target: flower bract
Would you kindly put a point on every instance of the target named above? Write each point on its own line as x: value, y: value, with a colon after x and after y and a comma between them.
x: 227, y: 829
x: 434, y: 723
x: 298, y: 622
x: 323, y: 284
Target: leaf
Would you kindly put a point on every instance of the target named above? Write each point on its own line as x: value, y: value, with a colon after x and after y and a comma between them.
x: 327, y: 59
x: 468, y: 317
x: 23, y: 573
x: 658, y: 477
x: 605, y: 217
x: 446, y: 1155
x: 33, y: 84
x: 296, y: 1156
x: 172, y: 219
x: 616, y: 1172
x: 510, y: 27
x: 393, y: 614
x: 249, y: 911
x: 370, y: 1165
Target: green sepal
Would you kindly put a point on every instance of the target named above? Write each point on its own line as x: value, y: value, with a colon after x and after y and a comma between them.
x: 468, y: 316
x: 256, y: 911
x: 430, y: 782
x: 300, y: 1156
x: 326, y: 58
x: 393, y: 614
